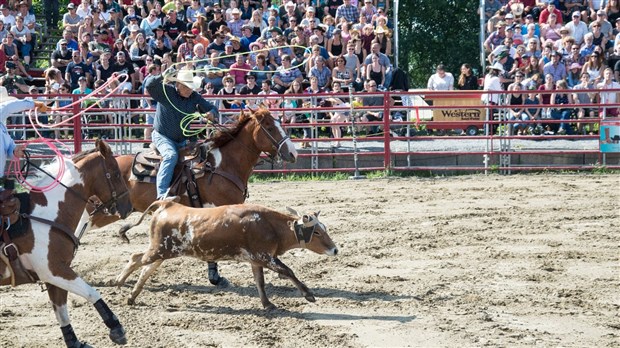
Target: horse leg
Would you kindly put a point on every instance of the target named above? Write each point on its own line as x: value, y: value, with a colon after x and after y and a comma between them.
x: 147, y: 271
x: 259, y: 278
x: 134, y: 263
x: 58, y: 297
x: 71, y: 282
x: 278, y: 266
x: 214, y: 275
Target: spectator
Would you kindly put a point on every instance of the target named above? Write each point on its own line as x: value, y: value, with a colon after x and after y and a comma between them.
x: 322, y: 73
x: 115, y: 24
x: 606, y: 27
x: 232, y: 103
x: 71, y: 20
x: 270, y: 102
x: 550, y: 31
x: 53, y: 79
x: 227, y: 58
x: 13, y: 83
x: 348, y: 12
x: 200, y: 59
x: 613, y: 10
x: 86, y: 27
x: 186, y: 50
x: 555, y: 67
x: 119, y: 47
x: 23, y: 39
x: 261, y: 70
x: 548, y: 12
x: 76, y: 69
x: 376, y: 101
x: 368, y: 11
x: 257, y: 23
x: 383, y: 60
x: 517, y: 111
x: 310, y: 18
x: 83, y: 9
x: 594, y: 67
x: 215, y: 72
x: 103, y: 68
x: 467, y: 80
x: 246, y: 10
x: 250, y: 88
x: 292, y: 103
x: 61, y: 57
x: 139, y: 51
x: 160, y: 34
x: 609, y: 97
x: 23, y: 11
x: 544, y: 95
x: 236, y: 22
x: 285, y: 75
x: 319, y: 32
x: 531, y: 112
x: 124, y: 66
x: 174, y: 29
x: 6, y: 16
x: 271, y: 31
x: 247, y: 37
x: 577, y: 28
x: 598, y: 38
x: 383, y: 40
x: 342, y: 74
x: 367, y: 36
x: 439, y: 81
x: 238, y: 70
x: 588, y: 45
x: 561, y: 97
x: 574, y: 75
x: 194, y: 10
x: 574, y: 56
x: 583, y: 98
x: 496, y: 38
x: 149, y: 24
x: 82, y: 86
x: 352, y: 62
x: 492, y: 84
x: 218, y: 45
x: 132, y: 26
x: 530, y: 28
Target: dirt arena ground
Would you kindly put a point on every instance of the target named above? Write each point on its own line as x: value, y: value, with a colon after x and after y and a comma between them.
x: 523, y: 260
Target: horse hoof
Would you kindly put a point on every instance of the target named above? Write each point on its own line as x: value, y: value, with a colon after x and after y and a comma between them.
x: 270, y: 307
x: 117, y: 335
x: 131, y: 301
x: 310, y: 298
x: 220, y: 282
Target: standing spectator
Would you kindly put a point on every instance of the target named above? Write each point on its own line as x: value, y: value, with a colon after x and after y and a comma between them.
x: 441, y: 80
x: 71, y: 20
x: 496, y: 38
x: 467, y: 80
x: 347, y: 11
x: 609, y: 97
x: 492, y: 84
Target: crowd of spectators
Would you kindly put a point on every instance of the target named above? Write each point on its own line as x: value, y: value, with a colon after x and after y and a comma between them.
x: 548, y: 52
x: 246, y: 47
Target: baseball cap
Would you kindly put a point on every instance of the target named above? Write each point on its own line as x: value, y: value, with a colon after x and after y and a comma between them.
x: 576, y: 14
x: 509, y: 16
x: 71, y: 5
x: 601, y: 13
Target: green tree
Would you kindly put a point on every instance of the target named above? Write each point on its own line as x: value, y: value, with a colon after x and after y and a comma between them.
x: 437, y: 31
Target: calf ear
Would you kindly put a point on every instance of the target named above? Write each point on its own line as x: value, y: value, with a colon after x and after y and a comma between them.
x: 293, y: 211
x: 317, y: 213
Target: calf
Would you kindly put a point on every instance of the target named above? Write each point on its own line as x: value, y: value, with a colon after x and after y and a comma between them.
x: 242, y: 232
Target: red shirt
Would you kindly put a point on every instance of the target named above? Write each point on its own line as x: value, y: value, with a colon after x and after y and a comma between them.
x: 544, y: 15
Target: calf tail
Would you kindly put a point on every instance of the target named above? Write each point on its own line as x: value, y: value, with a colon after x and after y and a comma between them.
x: 122, y: 233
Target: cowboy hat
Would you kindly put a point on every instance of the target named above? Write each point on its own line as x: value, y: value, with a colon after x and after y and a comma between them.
x: 4, y: 95
x: 498, y: 66
x: 187, y: 78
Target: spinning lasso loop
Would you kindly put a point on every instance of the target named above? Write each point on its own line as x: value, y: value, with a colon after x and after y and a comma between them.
x: 34, y: 120
x: 191, y: 117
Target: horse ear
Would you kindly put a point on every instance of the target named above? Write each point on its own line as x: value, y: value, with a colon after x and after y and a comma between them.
x: 103, y: 147
x: 250, y: 108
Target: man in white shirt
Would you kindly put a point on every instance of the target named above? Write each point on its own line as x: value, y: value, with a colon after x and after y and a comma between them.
x: 6, y: 17
x: 610, y: 97
x: 577, y: 28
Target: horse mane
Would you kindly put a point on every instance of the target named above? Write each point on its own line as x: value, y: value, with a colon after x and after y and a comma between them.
x: 80, y: 156
x: 225, y: 135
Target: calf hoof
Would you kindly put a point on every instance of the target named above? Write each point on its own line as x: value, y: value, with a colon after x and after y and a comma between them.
x: 117, y: 335
x: 310, y: 298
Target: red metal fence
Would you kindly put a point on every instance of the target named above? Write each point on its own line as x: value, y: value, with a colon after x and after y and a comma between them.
x: 454, y: 134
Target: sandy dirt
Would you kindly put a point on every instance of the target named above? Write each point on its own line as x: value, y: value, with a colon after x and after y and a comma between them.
x: 458, y: 261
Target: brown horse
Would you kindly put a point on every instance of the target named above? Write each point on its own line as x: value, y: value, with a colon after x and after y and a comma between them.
x: 225, y: 165
x: 46, y: 241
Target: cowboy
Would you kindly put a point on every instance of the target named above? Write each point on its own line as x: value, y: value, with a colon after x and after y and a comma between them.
x: 174, y: 102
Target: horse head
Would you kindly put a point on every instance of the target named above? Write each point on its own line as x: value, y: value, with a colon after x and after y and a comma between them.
x: 270, y: 137
x: 114, y: 192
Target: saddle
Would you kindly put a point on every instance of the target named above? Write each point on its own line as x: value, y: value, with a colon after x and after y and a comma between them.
x: 146, y: 164
x: 12, y: 226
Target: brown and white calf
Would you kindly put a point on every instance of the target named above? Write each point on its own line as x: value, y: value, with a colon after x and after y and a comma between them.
x: 242, y: 232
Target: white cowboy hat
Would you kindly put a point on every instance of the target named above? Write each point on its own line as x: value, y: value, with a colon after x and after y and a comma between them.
x: 498, y: 66
x: 4, y: 95
x: 187, y: 78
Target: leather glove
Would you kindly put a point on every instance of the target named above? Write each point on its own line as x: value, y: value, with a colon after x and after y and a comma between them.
x: 40, y: 106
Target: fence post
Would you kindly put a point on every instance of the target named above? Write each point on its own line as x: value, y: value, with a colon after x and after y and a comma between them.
x: 387, y: 164
x: 77, y: 126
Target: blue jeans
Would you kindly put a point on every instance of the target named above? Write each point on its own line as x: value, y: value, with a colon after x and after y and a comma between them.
x: 169, y: 151
x: 561, y: 114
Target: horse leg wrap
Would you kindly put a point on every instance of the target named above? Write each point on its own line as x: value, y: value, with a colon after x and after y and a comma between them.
x: 110, y: 320
x: 69, y: 336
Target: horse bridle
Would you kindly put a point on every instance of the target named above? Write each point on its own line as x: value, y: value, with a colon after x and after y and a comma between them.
x: 108, y: 208
x: 276, y: 144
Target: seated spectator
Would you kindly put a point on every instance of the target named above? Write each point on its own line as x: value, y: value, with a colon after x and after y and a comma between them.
x: 558, y: 112
x: 574, y: 75
x: 269, y: 102
x: 186, y: 50
x: 76, y: 69
x: 139, y: 51
x: 82, y: 86
x: 335, y: 45
x: 174, y: 29
x: 239, y: 70
x: 13, y: 83
x: 149, y: 24
x: 250, y: 88
x: 310, y: 18
x: 24, y: 40
x: 285, y: 75
x: 588, y: 45
x: 341, y: 74
x: 200, y: 60
x: 11, y: 53
x: 71, y: 20
x: 124, y: 66
x: 133, y: 25
x: 555, y: 67
x: 6, y: 16
x: 103, y: 67
x: 583, y: 98
x: 160, y: 48
x: 85, y: 27
x: 215, y: 72
x: 322, y: 73
x: 516, y: 100
x: 374, y: 101
x: 261, y: 70
x: 229, y: 102
x: 348, y: 12
x: 376, y: 72
x: 339, y: 116
x: 227, y: 58
x: 496, y: 38
x: 160, y: 34
x: 218, y: 45
x: 594, y: 67
x: 194, y: 10
x: 439, y: 81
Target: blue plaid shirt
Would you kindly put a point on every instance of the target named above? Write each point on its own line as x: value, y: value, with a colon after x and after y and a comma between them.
x: 322, y: 76
x: 350, y: 12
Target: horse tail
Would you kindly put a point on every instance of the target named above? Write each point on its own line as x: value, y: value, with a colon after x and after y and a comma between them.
x: 122, y: 233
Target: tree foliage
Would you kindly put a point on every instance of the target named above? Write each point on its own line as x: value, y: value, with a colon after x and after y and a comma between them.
x: 433, y: 32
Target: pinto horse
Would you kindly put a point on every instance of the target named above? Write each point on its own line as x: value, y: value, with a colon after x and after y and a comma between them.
x: 225, y: 165
x: 47, y: 242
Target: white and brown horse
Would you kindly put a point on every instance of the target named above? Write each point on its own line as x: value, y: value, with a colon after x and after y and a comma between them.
x: 222, y: 169
x: 47, y: 243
